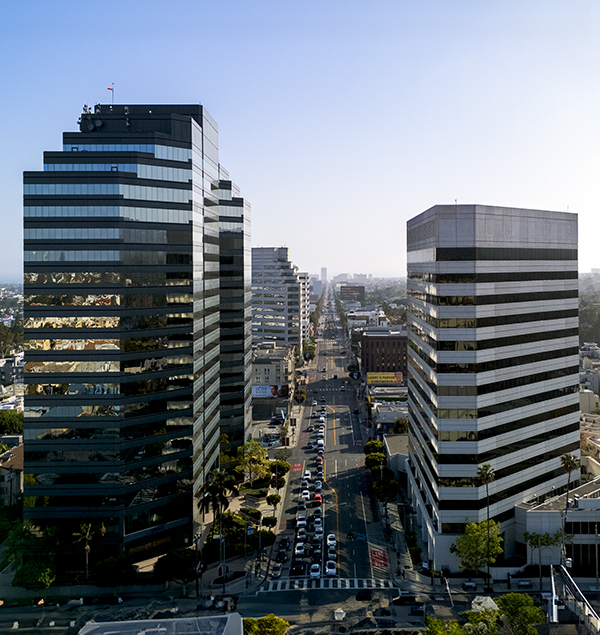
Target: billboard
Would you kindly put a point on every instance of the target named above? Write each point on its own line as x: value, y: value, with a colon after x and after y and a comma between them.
x: 271, y: 391
x: 384, y: 379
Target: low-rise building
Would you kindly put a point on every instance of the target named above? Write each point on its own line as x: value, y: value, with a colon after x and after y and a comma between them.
x: 383, y: 350
x: 11, y: 476
x: 273, y: 370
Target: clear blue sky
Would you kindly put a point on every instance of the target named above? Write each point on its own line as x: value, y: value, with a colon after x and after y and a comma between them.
x: 339, y: 119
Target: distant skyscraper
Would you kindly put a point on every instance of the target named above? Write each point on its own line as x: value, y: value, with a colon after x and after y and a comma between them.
x: 492, y: 365
x: 236, y: 312
x: 324, y: 274
x: 122, y: 325
x: 276, y: 297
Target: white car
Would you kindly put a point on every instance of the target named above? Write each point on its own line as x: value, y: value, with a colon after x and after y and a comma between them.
x: 331, y: 540
x: 307, y: 475
x: 331, y: 568
x: 315, y: 571
x: 299, y: 549
x: 314, y: 403
x: 305, y: 494
x: 331, y: 553
x: 343, y: 388
x: 318, y: 512
x: 276, y: 572
x: 319, y: 531
x: 318, y: 522
x: 301, y: 520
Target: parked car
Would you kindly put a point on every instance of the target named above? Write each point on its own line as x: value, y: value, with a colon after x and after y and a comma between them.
x: 469, y: 586
x: 310, y: 445
x: 524, y: 584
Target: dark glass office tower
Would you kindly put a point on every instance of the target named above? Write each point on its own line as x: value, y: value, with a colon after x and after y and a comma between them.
x: 236, y: 312
x: 122, y: 325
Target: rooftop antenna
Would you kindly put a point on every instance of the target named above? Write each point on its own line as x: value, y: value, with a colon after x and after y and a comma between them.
x: 112, y: 92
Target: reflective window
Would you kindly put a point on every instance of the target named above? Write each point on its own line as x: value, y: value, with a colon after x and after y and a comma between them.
x: 86, y: 322
x: 143, y: 214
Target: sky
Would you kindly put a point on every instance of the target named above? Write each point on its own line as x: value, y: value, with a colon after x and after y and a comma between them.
x: 338, y: 119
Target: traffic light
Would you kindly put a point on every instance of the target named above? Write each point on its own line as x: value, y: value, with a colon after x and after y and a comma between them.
x: 350, y: 535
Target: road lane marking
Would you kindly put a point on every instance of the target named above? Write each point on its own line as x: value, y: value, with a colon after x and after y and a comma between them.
x: 337, y: 517
x: 362, y: 502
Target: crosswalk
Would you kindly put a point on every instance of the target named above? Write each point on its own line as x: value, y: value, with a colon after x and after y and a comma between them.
x: 306, y: 584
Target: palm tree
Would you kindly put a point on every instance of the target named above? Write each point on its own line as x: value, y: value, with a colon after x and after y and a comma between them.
x: 214, y: 493
x: 85, y: 535
x: 485, y: 475
x: 569, y: 464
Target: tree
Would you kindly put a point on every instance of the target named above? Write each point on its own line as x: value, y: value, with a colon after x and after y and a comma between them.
x: 569, y: 464
x: 214, y: 493
x: 179, y: 566
x: 282, y: 454
x: 435, y: 626
x: 518, y: 609
x: 280, y: 467
x: 473, y: 547
x: 267, y: 625
x: 85, y: 535
x: 485, y: 475
x: 400, y: 426
x: 36, y: 575
x: 539, y: 542
x: 273, y: 500
x: 375, y: 459
x: 386, y: 490
x: 373, y: 446
x: 253, y: 459
x: 269, y: 521
x: 11, y: 422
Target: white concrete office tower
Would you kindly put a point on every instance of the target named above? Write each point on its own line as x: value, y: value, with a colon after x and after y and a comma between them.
x: 492, y: 364
x: 276, y: 298
x: 324, y: 274
x: 304, y: 279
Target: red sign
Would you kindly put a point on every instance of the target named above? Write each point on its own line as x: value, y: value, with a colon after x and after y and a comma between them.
x: 297, y: 467
x: 378, y: 558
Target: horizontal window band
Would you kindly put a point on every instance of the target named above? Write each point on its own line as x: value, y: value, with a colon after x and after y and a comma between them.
x: 476, y: 278
x: 483, y: 300
x: 483, y: 322
x: 502, y: 253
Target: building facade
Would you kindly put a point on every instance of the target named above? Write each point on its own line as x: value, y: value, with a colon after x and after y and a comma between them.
x: 236, y: 312
x: 122, y: 325
x: 492, y: 364
x: 276, y: 298
x: 352, y: 293
x: 383, y: 350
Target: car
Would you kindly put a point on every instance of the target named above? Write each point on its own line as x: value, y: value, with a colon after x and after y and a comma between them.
x: 469, y: 586
x: 285, y: 543
x: 317, y: 555
x: 320, y: 472
x: 323, y: 400
x: 320, y: 435
x: 281, y: 556
x: 305, y: 494
x: 297, y: 570
x: 301, y: 506
x: 322, y: 421
x: 525, y: 584
x: 320, y: 443
x: 299, y: 549
x: 318, y: 486
x: 330, y: 568
x: 320, y: 452
x: 343, y: 388
x: 315, y: 571
x: 307, y: 475
x: 324, y: 370
x: 310, y: 428
x: 301, y: 534
x: 315, y: 415
x: 319, y: 532
x: 318, y: 521
x: 310, y: 445
x: 301, y: 520
x: 318, y: 512
x: 314, y: 402
x: 303, y: 484
x: 318, y: 499
x: 331, y: 540
x: 332, y: 553
x: 417, y: 609
x: 276, y: 572
x: 319, y: 460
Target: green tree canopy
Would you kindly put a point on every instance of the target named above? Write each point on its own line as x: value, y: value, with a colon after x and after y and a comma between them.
x: 213, y: 494
x: 373, y: 446
x: 178, y: 565
x: 519, y: 610
x: 280, y: 467
x: 400, y: 426
x: 253, y: 460
x: 36, y: 575
x: 11, y: 422
x: 267, y: 625
x: 386, y: 490
x: 472, y: 547
x: 375, y: 459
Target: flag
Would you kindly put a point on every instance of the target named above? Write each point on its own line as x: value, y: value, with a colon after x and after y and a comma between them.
x: 110, y: 89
